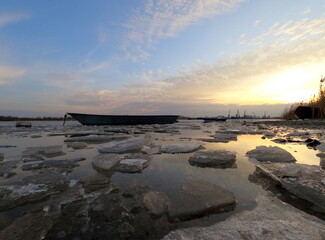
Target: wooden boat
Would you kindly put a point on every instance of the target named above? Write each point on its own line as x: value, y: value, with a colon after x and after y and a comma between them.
x: 24, y: 124
x: 92, y: 119
x: 303, y: 112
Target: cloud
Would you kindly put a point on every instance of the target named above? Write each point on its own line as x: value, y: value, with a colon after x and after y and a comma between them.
x: 256, y: 23
x: 8, y: 74
x: 265, y: 75
x: 9, y: 18
x: 263, y: 78
x: 306, y: 11
x: 65, y: 79
x: 291, y: 31
x: 94, y: 100
x: 102, y: 38
x: 242, y: 39
x: 59, y: 76
x: 197, y: 110
x: 89, y: 97
x: 164, y: 19
x: 112, y: 102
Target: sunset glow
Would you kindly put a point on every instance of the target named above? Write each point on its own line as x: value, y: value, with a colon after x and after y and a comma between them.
x: 177, y: 57
x: 294, y: 85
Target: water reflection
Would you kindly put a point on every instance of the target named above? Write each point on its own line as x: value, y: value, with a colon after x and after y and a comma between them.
x: 167, y: 172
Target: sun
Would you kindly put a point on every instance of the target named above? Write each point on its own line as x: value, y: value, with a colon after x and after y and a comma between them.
x: 294, y: 85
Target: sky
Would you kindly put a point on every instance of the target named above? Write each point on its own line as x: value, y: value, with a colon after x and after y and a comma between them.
x: 185, y: 57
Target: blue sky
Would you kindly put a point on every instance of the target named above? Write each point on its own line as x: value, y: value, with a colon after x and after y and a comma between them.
x: 188, y: 57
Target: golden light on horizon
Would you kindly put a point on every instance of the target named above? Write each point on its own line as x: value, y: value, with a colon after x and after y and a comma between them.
x: 291, y: 86
x: 294, y: 85
x: 295, y: 97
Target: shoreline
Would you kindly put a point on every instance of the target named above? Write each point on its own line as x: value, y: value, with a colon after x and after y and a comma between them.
x: 8, y: 119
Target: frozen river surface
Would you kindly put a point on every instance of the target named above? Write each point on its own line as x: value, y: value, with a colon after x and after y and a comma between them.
x: 165, y: 150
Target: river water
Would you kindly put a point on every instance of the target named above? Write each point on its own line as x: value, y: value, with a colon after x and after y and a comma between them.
x: 166, y: 172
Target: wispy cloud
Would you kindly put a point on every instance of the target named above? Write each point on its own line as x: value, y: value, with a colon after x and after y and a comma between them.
x: 64, y: 79
x: 102, y: 38
x: 59, y: 76
x: 306, y: 11
x: 9, y: 18
x: 8, y: 74
x: 288, y: 32
x: 252, y: 78
x: 166, y: 18
x: 292, y: 55
x: 91, y: 97
x: 259, y: 76
x: 256, y: 23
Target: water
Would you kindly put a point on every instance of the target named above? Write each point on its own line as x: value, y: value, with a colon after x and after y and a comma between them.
x: 167, y: 172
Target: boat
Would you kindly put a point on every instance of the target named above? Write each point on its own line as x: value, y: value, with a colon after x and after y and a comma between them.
x: 24, y: 124
x: 213, y: 119
x: 93, y: 119
x: 303, y: 112
x: 206, y: 120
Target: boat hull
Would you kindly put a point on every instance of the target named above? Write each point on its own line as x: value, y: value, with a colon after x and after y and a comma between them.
x: 92, y: 119
x: 207, y: 120
x: 303, y: 112
x: 213, y: 119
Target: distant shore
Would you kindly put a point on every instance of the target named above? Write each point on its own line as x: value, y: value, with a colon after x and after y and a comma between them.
x: 11, y: 118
